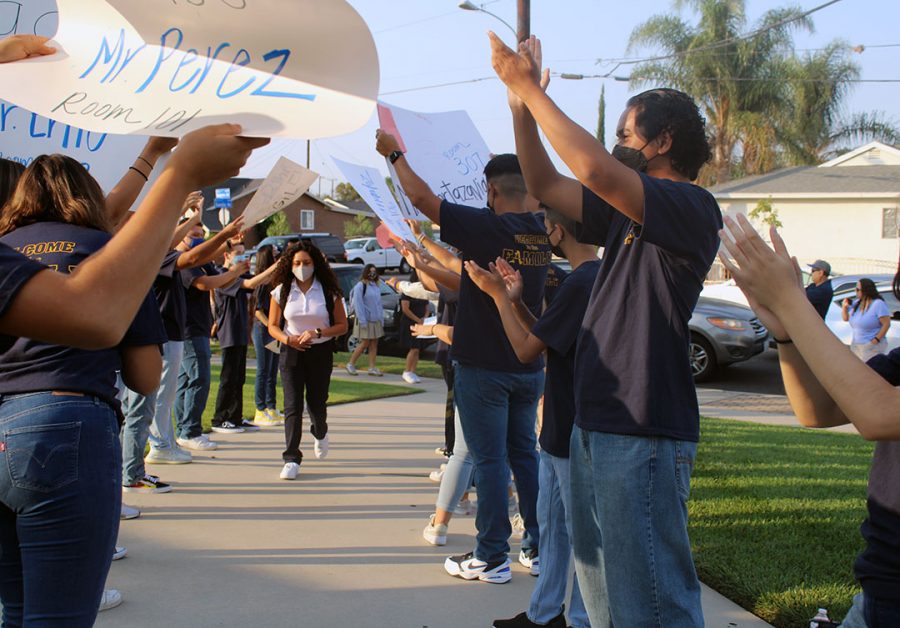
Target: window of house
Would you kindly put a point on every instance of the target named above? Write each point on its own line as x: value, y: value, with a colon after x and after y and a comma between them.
x: 308, y: 219
x: 889, y: 222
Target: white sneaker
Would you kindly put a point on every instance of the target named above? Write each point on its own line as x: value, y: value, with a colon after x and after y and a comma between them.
x: 436, y: 534
x: 351, y: 369
x: 436, y: 476
x: 197, y: 443
x: 129, y: 512
x: 111, y: 599
x: 320, y: 447
x: 518, y: 526
x: 376, y: 372
x: 120, y: 552
x: 290, y: 471
x: 169, y: 455
x: 275, y: 418
x: 464, y: 508
x: 409, y: 377
x: 416, y: 379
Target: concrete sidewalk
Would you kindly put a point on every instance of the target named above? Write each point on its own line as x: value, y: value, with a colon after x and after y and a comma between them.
x: 232, y: 545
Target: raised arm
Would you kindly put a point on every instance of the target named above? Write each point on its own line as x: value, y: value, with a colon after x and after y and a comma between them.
x: 583, y: 153
x: 416, y: 189
x: 104, y: 292
x: 770, y: 279
x: 446, y: 259
x: 261, y: 278
x: 125, y: 192
x: 209, y: 250
x: 212, y: 282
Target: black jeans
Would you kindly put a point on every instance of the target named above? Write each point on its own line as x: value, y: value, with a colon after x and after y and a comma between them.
x: 310, y: 370
x: 230, y: 400
x: 449, y: 413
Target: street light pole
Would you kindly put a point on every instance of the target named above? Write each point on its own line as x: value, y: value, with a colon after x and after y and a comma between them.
x: 465, y: 5
x: 524, y: 22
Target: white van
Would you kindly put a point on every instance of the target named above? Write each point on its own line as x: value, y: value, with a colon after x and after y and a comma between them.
x: 368, y: 251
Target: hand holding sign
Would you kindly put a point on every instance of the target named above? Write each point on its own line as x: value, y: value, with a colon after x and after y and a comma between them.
x: 211, y: 154
x: 286, y: 183
x: 20, y: 47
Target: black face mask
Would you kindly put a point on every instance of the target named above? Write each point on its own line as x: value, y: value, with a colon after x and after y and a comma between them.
x: 631, y: 157
x: 555, y: 248
x: 373, y: 275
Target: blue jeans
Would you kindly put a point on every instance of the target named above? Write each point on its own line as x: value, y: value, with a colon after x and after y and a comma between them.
x: 457, y: 476
x: 498, y: 412
x: 266, y: 368
x: 870, y: 612
x: 555, y: 522
x: 629, y: 529
x: 193, y: 387
x: 59, y: 507
x: 162, y: 431
x: 138, y: 410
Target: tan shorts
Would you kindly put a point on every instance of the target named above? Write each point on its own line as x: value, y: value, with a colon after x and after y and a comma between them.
x: 368, y: 331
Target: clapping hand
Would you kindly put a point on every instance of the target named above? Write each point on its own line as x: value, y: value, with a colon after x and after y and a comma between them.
x: 489, y: 282
x: 520, y: 72
x: 511, y: 277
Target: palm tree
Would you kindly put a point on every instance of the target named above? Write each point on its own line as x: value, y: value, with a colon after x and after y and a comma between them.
x: 728, y: 73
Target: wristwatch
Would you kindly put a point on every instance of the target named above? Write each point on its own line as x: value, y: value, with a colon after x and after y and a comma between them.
x: 394, y: 156
x: 318, y: 333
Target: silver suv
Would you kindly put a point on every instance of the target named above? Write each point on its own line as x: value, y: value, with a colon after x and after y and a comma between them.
x: 722, y: 333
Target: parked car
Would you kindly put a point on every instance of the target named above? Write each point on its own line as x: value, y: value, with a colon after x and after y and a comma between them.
x: 842, y: 329
x: 369, y: 251
x: 729, y: 291
x: 330, y: 245
x: 722, y: 333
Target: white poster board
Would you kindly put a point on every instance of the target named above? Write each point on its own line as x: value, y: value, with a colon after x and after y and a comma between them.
x: 370, y: 185
x: 287, y: 182
x: 445, y: 149
x: 166, y: 67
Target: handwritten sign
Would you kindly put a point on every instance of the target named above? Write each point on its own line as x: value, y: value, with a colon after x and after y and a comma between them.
x: 166, y: 67
x: 287, y: 182
x: 370, y: 185
x: 445, y: 149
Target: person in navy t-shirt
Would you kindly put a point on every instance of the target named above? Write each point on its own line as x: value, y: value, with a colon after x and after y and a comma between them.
x: 555, y: 332
x: 636, y: 406
x: 496, y: 394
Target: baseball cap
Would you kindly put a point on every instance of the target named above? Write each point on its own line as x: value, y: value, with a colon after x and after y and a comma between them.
x: 821, y: 265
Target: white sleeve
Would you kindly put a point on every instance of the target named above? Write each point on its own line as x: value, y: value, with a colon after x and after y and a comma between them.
x: 416, y: 290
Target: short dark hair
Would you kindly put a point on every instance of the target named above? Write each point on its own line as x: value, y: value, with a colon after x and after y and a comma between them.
x: 556, y: 218
x: 659, y: 110
x: 505, y: 173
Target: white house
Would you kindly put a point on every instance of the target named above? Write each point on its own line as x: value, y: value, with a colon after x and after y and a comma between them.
x: 844, y: 211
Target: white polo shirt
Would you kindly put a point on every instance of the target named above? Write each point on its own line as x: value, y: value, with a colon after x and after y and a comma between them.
x: 304, y: 311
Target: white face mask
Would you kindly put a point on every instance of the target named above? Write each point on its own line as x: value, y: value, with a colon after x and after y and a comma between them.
x: 302, y: 273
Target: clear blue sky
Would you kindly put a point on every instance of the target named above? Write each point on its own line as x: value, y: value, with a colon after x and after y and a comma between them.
x: 426, y: 42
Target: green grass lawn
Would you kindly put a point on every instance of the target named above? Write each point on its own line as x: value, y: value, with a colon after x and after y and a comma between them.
x: 388, y: 364
x: 775, y: 515
x: 339, y: 392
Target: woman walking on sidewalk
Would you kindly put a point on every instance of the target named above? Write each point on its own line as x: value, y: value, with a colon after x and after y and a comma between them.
x: 306, y: 313
x: 365, y: 303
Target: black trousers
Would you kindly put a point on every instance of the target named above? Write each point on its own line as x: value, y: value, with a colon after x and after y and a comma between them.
x: 449, y: 419
x: 230, y: 400
x: 308, y: 370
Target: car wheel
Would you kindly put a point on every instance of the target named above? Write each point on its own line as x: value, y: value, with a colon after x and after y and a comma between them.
x: 703, y: 359
x: 357, y: 261
x: 352, y: 343
x: 404, y: 267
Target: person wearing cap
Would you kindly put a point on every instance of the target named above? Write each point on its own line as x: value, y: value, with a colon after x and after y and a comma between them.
x: 820, y: 292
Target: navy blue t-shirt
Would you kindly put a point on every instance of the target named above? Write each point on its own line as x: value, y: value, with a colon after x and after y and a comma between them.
x: 28, y: 365
x: 232, y: 313
x: 632, y: 373
x: 170, y: 296
x: 15, y: 271
x: 482, y: 236
x: 878, y: 566
x: 820, y: 296
x: 558, y: 328
x: 198, y: 311
x: 555, y: 276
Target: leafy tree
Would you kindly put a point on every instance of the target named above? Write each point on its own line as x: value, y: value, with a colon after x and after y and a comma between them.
x: 359, y: 226
x: 345, y: 193
x: 277, y: 225
x: 765, y: 213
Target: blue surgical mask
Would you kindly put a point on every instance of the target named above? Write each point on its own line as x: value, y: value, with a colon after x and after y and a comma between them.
x: 196, y: 242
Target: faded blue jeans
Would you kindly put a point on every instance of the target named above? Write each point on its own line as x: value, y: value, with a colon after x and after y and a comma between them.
x: 162, y: 431
x: 193, y: 387
x: 266, y: 368
x: 138, y: 410
x: 629, y: 530
x: 498, y: 414
x: 554, y: 506
x: 60, y: 500
x: 870, y: 612
x: 457, y: 476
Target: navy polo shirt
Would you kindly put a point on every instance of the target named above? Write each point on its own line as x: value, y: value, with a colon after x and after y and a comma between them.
x: 820, y: 296
x: 558, y: 328
x: 198, y: 311
x: 632, y: 373
x: 232, y: 313
x: 28, y: 365
x: 482, y: 236
x: 15, y: 271
x: 170, y: 296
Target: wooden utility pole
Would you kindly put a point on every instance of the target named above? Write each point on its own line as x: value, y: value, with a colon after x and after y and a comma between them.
x: 524, y: 23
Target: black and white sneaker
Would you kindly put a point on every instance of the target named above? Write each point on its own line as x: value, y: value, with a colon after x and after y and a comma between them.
x: 468, y: 567
x: 227, y: 427
x: 249, y: 426
x: 530, y: 559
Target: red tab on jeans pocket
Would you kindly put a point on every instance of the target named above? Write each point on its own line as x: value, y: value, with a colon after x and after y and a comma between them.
x: 2, y: 446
